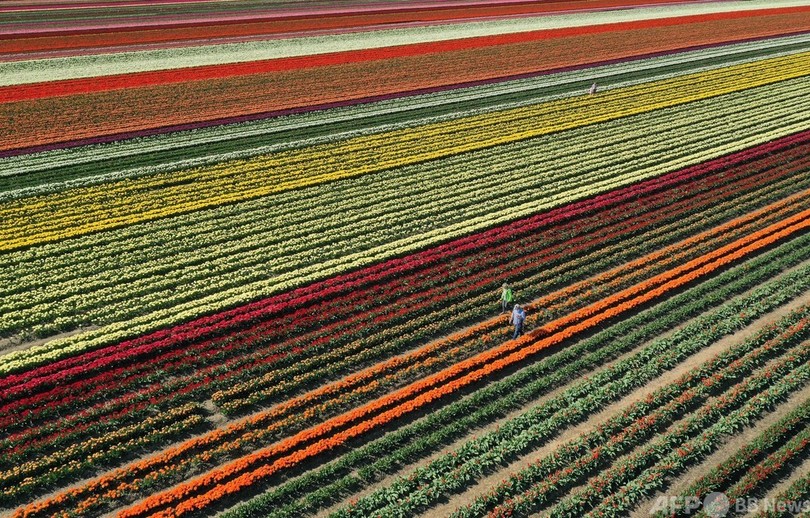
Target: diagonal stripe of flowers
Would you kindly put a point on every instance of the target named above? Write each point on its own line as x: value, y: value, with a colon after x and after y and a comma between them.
x: 231, y: 478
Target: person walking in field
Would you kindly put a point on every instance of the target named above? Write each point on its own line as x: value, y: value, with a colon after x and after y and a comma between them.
x: 506, y: 297
x: 517, y: 319
x: 593, y: 89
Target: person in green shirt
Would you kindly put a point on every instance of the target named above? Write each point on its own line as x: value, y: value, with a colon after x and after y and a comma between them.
x: 506, y: 298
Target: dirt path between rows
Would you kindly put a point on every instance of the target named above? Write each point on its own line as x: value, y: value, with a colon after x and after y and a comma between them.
x: 728, y: 448
x: 494, y: 478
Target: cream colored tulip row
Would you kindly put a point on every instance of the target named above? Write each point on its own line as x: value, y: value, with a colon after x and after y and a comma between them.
x: 43, y: 219
x: 93, y: 283
x: 98, y: 65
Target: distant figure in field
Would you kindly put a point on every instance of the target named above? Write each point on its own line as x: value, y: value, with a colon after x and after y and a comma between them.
x: 517, y: 319
x: 592, y: 90
x: 506, y: 297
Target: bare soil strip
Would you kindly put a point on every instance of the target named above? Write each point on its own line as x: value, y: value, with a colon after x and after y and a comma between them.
x: 616, y: 408
x: 19, y: 343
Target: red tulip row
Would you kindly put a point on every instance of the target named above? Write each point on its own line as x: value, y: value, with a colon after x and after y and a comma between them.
x: 797, y: 496
x: 794, y: 449
x: 263, y: 24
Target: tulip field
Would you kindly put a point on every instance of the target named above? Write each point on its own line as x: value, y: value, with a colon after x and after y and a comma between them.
x: 252, y: 255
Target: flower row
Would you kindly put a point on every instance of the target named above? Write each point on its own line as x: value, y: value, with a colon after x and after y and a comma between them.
x: 294, y: 21
x: 259, y: 389
x: 366, y: 465
x: 28, y: 477
x: 52, y: 218
x: 722, y: 475
x: 195, y: 62
x: 619, y: 488
x: 227, y: 344
x: 162, y: 292
x: 796, y: 495
x: 556, y: 213
x: 413, y: 273
x: 527, y: 488
x: 111, y: 357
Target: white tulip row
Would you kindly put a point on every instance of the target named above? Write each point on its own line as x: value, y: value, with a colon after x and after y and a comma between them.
x: 56, y: 69
x: 40, y: 163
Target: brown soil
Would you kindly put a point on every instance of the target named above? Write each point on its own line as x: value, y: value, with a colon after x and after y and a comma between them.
x: 215, y: 417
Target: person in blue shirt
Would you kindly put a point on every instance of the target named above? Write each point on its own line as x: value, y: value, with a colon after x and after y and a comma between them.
x: 517, y: 319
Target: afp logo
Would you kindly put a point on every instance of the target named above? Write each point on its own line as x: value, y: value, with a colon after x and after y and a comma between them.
x: 715, y: 505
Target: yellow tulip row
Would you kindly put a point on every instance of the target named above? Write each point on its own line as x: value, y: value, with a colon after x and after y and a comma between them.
x: 32, y: 221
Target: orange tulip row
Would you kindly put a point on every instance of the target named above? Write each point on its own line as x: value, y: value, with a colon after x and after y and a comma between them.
x: 242, y: 473
x: 73, y: 117
x: 238, y: 435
